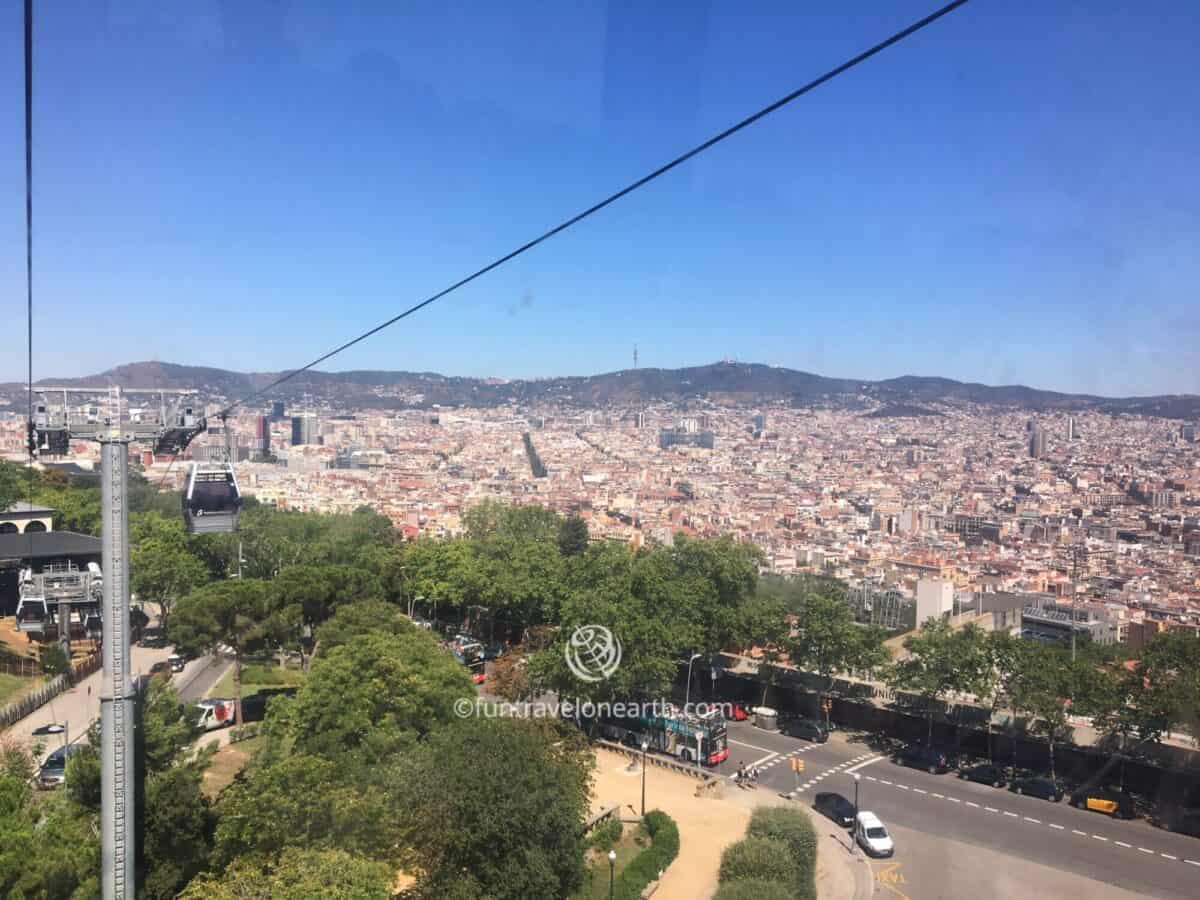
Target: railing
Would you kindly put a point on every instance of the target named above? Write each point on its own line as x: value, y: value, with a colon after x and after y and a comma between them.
x: 662, y: 762
x: 19, y: 709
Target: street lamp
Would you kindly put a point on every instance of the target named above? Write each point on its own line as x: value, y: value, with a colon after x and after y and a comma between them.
x: 645, y: 747
x: 857, y: 779
x: 688, y: 694
x: 612, y: 873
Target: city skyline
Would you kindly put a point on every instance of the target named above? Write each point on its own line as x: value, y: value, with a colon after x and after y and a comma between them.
x: 939, y: 211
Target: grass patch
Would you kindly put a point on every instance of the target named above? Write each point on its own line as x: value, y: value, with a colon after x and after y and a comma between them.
x: 13, y: 687
x: 595, y: 878
x: 228, y: 762
x: 256, y: 677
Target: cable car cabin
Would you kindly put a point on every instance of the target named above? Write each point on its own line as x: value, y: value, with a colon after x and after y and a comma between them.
x: 93, y: 625
x: 212, y: 502
x: 32, y: 615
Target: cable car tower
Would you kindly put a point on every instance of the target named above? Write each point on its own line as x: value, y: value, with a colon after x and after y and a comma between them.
x: 169, y: 427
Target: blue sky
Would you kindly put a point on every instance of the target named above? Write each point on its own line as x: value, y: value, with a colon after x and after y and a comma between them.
x: 1010, y: 196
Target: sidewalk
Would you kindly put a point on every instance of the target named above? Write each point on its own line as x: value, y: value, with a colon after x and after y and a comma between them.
x: 78, y: 707
x: 709, y: 824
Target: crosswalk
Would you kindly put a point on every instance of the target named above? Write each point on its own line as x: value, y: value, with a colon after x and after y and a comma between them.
x: 818, y: 778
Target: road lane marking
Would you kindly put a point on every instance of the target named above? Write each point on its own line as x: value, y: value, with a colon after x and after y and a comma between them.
x: 1144, y: 850
x: 919, y: 791
x: 1013, y: 814
x: 954, y: 800
x: 1168, y: 856
x: 973, y: 803
x: 872, y: 778
x: 884, y: 781
x: 862, y: 765
x: 1084, y: 833
x: 1099, y: 837
x: 991, y: 809
x: 1033, y: 820
x: 903, y: 787
x: 1062, y: 827
x: 1192, y: 862
x: 1122, y: 844
x: 754, y: 747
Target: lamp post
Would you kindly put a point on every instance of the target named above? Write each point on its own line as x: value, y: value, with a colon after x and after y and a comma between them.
x: 612, y: 873
x: 688, y: 693
x: 857, y: 779
x: 645, y: 747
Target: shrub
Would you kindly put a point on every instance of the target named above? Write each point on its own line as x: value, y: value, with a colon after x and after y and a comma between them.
x: 760, y: 858
x: 753, y: 889
x: 244, y: 733
x: 790, y: 826
x: 606, y: 834
x: 644, y: 867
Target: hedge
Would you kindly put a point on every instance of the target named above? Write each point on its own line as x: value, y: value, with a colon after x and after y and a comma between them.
x: 791, y: 826
x: 644, y: 867
x: 606, y: 834
x: 760, y: 858
x: 753, y: 889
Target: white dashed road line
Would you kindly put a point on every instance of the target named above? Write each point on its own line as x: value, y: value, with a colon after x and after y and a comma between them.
x: 1099, y: 837
x: 1061, y: 827
x: 1122, y: 844
x: 1033, y: 820
x: 1168, y: 856
x: 869, y: 761
x: 1192, y: 862
x: 1144, y: 850
x: 1084, y: 833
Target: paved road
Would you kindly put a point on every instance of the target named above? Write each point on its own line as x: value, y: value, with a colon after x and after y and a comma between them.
x: 1132, y: 855
x: 80, y: 706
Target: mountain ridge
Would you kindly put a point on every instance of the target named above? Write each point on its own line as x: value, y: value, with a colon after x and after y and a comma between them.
x: 721, y: 382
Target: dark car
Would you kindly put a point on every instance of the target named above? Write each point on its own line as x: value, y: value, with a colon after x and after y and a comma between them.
x: 933, y: 759
x: 809, y: 729
x: 53, y: 771
x: 1117, y: 804
x: 984, y: 774
x: 1036, y: 786
x: 836, y: 807
x: 52, y: 728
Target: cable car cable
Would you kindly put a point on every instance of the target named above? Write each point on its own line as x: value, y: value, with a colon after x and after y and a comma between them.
x: 612, y: 198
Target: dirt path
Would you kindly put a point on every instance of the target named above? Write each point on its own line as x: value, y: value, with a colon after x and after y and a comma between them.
x: 706, y: 825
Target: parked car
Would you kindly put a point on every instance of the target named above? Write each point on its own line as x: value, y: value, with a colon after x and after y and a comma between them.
x: 52, y: 728
x: 1118, y: 804
x: 809, y: 729
x: 737, y: 712
x: 177, y: 661
x: 53, y: 771
x: 836, y: 807
x: 984, y: 774
x: 1037, y: 786
x: 872, y: 836
x: 933, y: 759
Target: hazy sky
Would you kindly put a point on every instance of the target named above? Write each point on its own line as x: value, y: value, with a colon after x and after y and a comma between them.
x: 1010, y: 196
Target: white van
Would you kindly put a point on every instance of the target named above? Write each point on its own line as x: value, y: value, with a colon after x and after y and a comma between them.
x: 872, y: 836
x: 215, y: 713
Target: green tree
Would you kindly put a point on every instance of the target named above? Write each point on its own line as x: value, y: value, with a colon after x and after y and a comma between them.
x: 377, y: 694
x: 827, y: 640
x: 12, y: 483
x: 1005, y: 654
x: 502, y: 799
x: 1048, y: 687
x: 300, y: 873
x: 235, y: 613
x: 307, y: 802
x: 572, y: 536
x: 940, y: 660
x: 177, y: 832
x: 162, y: 568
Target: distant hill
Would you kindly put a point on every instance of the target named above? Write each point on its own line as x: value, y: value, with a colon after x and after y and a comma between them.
x: 722, y: 383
